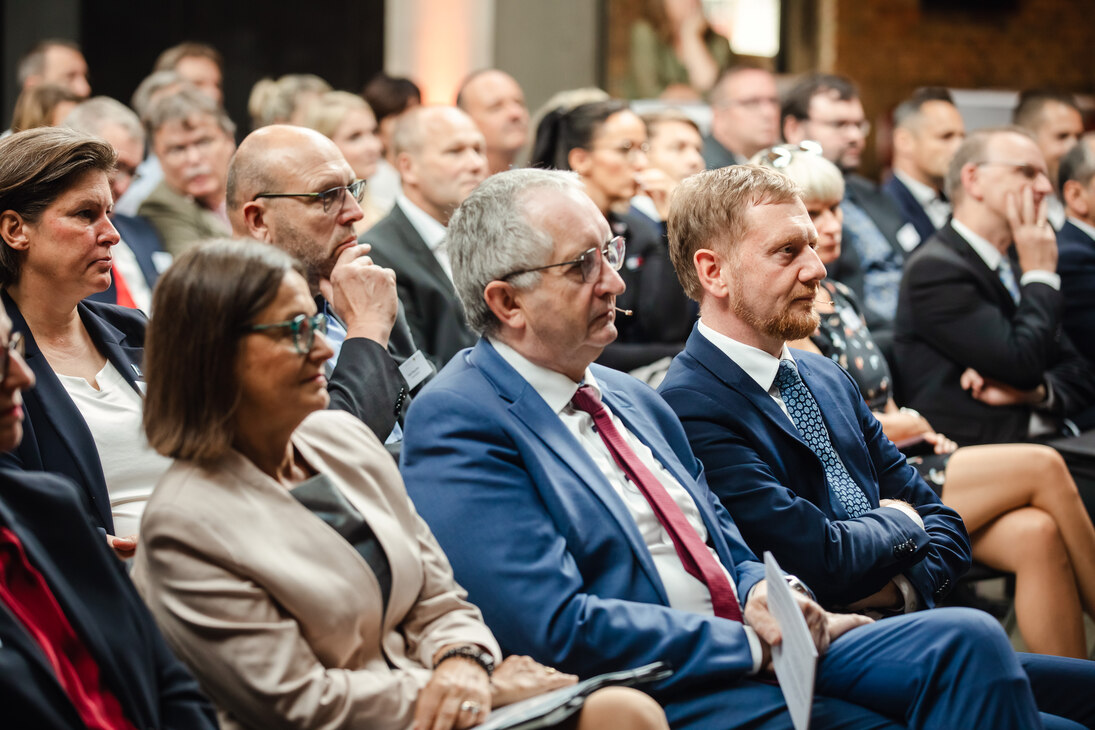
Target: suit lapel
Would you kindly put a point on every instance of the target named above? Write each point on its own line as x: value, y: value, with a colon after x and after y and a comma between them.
x: 112, y: 343
x: 989, y: 278
x: 528, y: 407
x: 419, y: 251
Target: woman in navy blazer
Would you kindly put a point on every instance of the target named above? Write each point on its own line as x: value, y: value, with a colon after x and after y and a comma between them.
x: 55, y: 198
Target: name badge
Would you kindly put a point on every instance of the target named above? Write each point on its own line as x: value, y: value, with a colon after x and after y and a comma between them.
x: 415, y: 369
x: 908, y: 237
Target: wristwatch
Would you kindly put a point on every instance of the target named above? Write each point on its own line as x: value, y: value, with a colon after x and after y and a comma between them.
x: 796, y: 585
x: 469, y: 651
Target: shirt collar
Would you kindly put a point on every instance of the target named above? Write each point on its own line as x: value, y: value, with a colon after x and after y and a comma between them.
x: 757, y: 364
x: 428, y: 227
x: 924, y: 194
x: 1085, y: 227
x: 988, y: 253
x: 555, y: 388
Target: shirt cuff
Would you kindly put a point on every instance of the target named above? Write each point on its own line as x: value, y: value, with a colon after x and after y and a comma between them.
x: 754, y: 648
x: 1048, y: 278
x: 908, y: 593
x: 918, y: 519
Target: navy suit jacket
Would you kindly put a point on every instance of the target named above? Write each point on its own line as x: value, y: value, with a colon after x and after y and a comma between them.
x: 48, y: 516
x: 541, y: 541
x: 910, y: 207
x: 1076, y: 265
x: 56, y: 437
x: 775, y: 486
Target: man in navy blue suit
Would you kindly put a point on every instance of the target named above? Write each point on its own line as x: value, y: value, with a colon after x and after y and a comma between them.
x: 788, y: 443
x: 575, y: 514
x: 139, y: 258
x: 1076, y: 245
x: 927, y: 132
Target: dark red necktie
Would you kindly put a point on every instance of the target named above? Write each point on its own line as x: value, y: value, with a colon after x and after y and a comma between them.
x: 695, y: 556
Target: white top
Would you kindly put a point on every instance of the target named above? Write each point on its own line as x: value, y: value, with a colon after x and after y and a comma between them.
x: 763, y: 368
x: 430, y: 229
x: 937, y: 209
x: 130, y: 466
x: 1055, y: 212
x: 384, y: 186
x: 685, y: 592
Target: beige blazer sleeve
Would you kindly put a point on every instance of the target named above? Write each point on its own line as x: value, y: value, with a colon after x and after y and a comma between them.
x: 276, y: 614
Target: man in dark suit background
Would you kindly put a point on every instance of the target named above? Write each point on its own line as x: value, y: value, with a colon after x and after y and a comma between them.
x: 274, y: 181
x: 139, y: 258
x: 744, y: 116
x: 600, y: 548
x: 979, y: 345
x: 827, y: 109
x: 927, y: 132
x: 1076, y: 245
x: 1054, y: 119
x: 440, y: 154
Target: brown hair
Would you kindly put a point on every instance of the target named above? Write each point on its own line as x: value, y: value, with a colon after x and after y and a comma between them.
x: 212, y: 292
x: 170, y: 58
x: 708, y: 211
x: 34, y: 107
x: 655, y: 119
x: 36, y: 167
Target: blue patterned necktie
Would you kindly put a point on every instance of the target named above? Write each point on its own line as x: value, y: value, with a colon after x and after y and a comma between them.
x: 807, y: 417
x: 1007, y: 278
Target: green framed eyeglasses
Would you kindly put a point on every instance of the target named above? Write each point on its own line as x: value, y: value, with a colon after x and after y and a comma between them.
x: 329, y: 198
x: 302, y: 327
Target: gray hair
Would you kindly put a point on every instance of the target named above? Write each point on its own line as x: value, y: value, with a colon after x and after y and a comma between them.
x: 1078, y: 163
x: 183, y: 105
x: 92, y: 115
x: 973, y: 150
x: 490, y: 236
x: 151, y: 87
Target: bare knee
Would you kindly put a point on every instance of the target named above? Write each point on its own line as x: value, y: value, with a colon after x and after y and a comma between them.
x: 621, y: 707
x: 1037, y: 538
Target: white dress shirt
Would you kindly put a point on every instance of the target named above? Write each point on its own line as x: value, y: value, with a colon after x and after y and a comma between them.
x: 685, y: 592
x: 430, y: 229
x: 131, y: 467
x: 763, y: 368
x: 937, y: 209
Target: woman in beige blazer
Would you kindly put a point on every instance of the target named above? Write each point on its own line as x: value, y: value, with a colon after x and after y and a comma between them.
x: 280, y: 554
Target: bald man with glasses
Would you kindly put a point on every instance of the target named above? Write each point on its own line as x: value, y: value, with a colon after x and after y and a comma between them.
x: 292, y: 188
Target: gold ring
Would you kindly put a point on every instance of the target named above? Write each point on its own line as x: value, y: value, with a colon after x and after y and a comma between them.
x: 470, y: 706
x: 550, y: 670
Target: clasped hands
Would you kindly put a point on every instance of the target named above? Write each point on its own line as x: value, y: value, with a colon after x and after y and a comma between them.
x: 460, y: 695
x: 825, y: 627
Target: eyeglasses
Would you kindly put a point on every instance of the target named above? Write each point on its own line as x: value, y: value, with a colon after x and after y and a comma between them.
x: 845, y: 125
x: 302, y: 327
x: 780, y: 156
x: 356, y: 189
x: 177, y: 153
x: 16, y: 345
x: 1027, y: 170
x: 628, y: 149
x: 612, y: 253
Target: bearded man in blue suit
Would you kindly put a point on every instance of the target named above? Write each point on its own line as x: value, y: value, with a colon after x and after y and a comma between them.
x: 790, y: 447
x: 601, y: 548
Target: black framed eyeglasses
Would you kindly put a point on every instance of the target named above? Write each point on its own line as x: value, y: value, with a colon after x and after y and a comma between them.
x: 16, y: 345
x: 612, y: 253
x: 330, y: 197
x: 302, y: 327
x: 781, y: 155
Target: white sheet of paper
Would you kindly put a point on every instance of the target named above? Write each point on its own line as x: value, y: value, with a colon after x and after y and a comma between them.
x: 795, y: 657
